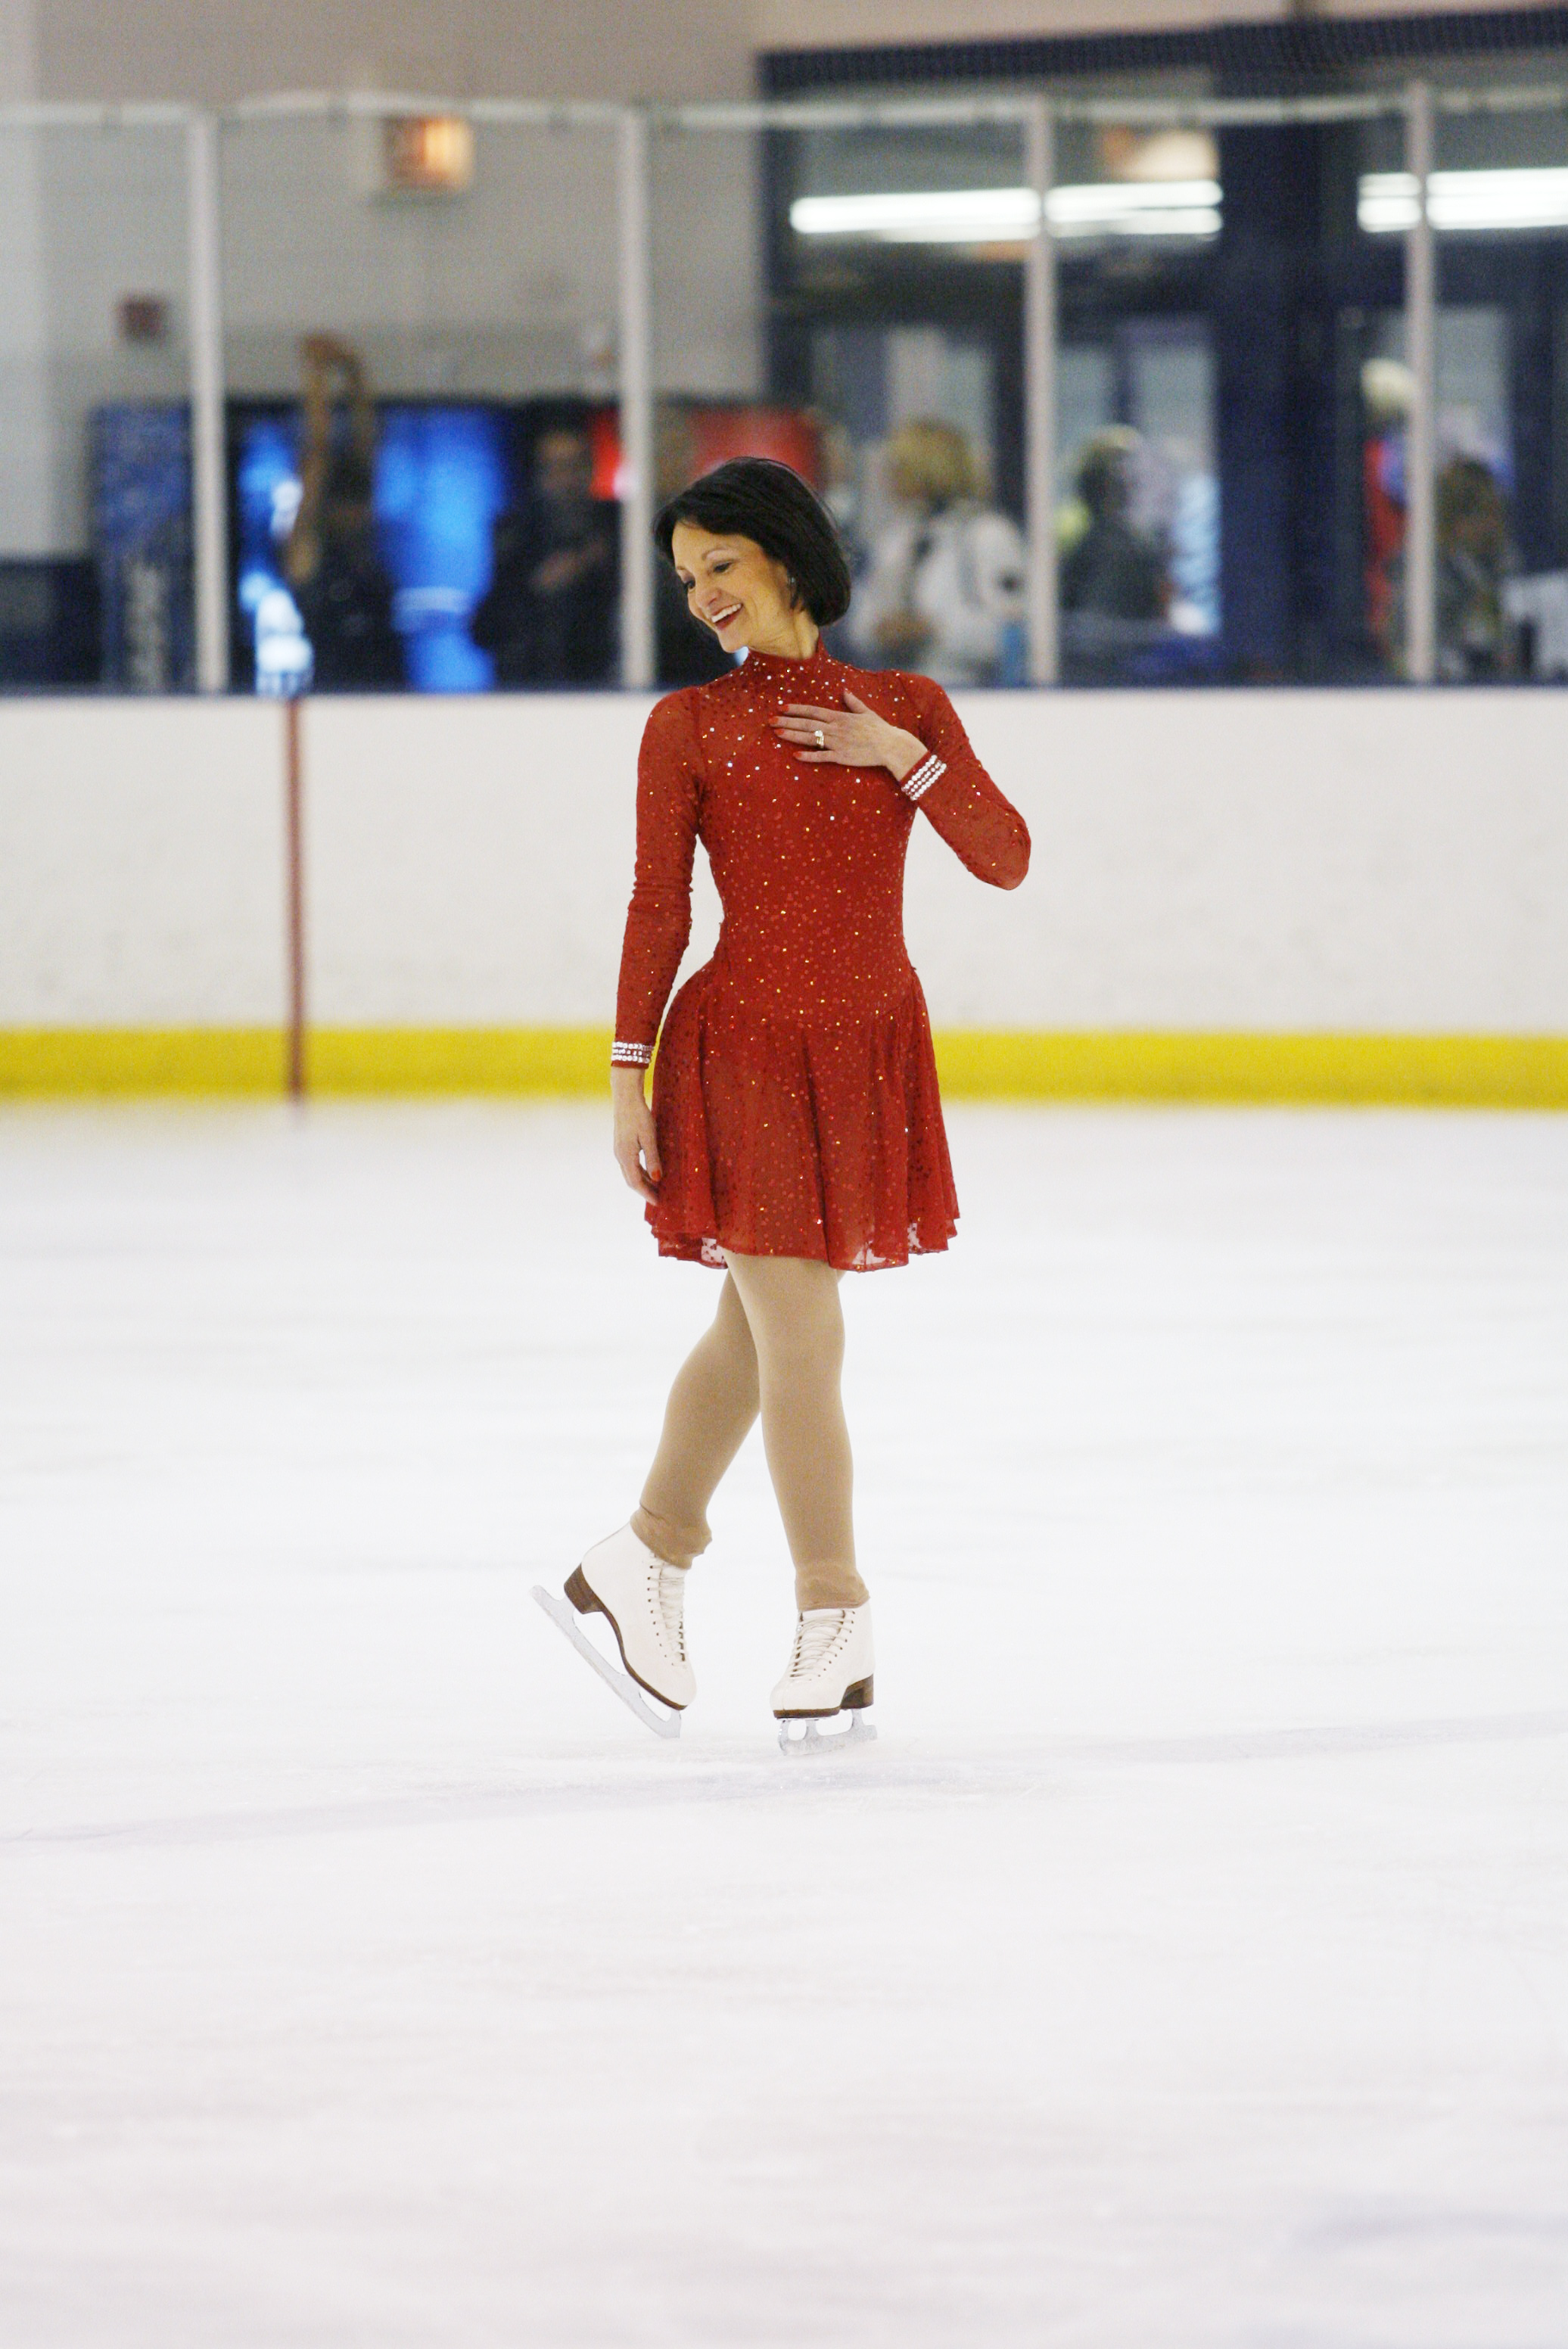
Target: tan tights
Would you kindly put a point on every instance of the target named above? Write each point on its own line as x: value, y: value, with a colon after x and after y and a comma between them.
x: 777, y: 1345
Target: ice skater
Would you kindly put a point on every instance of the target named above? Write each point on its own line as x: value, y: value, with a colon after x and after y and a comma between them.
x: 795, y: 1131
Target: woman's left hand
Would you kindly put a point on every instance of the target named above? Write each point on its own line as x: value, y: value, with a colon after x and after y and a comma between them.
x: 851, y: 736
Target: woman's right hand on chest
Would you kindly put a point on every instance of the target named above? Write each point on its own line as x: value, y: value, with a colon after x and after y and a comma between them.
x: 636, y: 1143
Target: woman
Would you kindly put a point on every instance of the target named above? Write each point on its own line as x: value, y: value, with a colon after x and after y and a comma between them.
x: 330, y: 561
x: 944, y: 586
x: 796, y: 1132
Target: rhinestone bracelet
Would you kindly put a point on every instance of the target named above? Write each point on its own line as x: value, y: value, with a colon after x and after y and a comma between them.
x: 915, y: 786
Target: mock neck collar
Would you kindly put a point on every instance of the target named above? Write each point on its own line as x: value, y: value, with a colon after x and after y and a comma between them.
x: 781, y: 669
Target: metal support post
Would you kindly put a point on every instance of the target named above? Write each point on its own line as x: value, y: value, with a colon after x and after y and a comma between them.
x: 209, y: 492
x: 1421, y: 354
x: 296, y: 1033
x: 1040, y: 406
x: 637, y: 662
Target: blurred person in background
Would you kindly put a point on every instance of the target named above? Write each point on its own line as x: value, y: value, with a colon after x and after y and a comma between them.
x: 1386, y: 388
x: 548, y: 616
x: 1111, y: 568
x: 1475, y: 641
x: 839, y: 487
x: 331, y: 559
x: 944, y: 589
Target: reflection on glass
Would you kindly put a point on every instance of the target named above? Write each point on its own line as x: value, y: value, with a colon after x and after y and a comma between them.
x: 1386, y: 200
x: 1138, y: 528
x: 911, y: 450
x: 139, y: 456
x: 391, y: 598
x: 908, y: 251
x: 95, y: 459
x: 943, y: 587
x: 548, y: 615
x: 1476, y: 558
x: 434, y: 502
x: 330, y: 558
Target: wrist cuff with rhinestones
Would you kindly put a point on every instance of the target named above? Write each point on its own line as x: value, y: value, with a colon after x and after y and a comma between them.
x: 630, y: 1056
x: 915, y: 786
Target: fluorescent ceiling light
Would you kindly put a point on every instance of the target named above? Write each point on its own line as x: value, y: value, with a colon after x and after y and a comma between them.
x: 1006, y: 216
x: 976, y: 214
x: 1127, y: 207
x: 1127, y: 203
x: 1465, y: 200
x: 1171, y: 207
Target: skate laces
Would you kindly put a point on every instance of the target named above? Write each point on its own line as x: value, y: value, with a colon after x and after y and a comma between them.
x: 671, y: 1597
x: 814, y: 1635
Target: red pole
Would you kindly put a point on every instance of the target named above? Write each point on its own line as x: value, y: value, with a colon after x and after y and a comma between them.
x: 293, y: 827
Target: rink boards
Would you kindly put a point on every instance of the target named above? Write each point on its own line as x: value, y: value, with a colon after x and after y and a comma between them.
x: 1235, y: 895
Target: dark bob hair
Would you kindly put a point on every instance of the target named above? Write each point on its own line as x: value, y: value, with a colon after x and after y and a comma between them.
x: 756, y: 498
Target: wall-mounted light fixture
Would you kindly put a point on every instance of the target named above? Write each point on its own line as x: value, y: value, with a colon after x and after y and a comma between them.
x: 427, y: 155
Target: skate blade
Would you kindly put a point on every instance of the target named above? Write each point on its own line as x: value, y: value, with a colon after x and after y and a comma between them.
x: 810, y: 1737
x: 662, y: 1723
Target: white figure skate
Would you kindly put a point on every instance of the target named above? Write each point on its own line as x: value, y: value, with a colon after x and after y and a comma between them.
x: 641, y: 1598
x: 830, y: 1673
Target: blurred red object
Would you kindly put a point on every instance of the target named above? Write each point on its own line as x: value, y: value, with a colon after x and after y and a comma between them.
x: 720, y: 433
x: 1383, y: 489
x: 717, y: 431
x: 604, y: 438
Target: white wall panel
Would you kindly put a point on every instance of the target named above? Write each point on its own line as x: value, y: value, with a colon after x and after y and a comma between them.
x: 1372, y: 861
x: 141, y: 865
x: 1380, y: 861
x: 1377, y: 861
x: 470, y: 860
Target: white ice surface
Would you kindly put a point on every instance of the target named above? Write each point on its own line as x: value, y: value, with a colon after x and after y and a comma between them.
x: 1185, y: 1968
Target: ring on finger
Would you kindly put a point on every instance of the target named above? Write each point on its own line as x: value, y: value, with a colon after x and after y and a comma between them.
x: 820, y: 740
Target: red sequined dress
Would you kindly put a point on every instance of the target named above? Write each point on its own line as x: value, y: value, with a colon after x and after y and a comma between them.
x: 795, y: 1090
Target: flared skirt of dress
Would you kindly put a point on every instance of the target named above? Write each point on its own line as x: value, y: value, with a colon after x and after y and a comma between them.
x: 802, y: 1138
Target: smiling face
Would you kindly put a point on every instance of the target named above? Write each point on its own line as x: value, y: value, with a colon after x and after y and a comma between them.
x: 740, y: 593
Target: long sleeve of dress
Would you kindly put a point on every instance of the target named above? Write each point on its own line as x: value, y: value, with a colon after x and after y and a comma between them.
x: 951, y: 787
x: 658, y: 920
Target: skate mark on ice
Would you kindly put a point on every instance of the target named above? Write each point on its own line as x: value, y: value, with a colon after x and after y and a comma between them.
x: 1351, y: 1738
x: 1357, y: 2229
x: 550, y: 1787
x: 563, y: 1788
